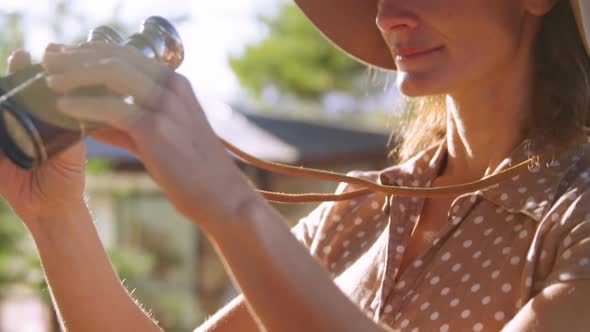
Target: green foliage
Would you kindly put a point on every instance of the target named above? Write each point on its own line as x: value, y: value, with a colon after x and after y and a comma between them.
x: 296, y: 59
x: 11, y: 37
x: 171, y: 309
x: 99, y: 166
x: 19, y: 264
x: 130, y: 263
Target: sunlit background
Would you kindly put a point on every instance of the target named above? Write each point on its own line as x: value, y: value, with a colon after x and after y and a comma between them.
x: 268, y: 82
x: 211, y: 30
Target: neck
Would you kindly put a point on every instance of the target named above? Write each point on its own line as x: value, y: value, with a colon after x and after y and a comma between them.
x: 486, y: 121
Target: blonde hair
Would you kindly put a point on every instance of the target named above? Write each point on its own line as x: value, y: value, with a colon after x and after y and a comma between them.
x: 561, y: 90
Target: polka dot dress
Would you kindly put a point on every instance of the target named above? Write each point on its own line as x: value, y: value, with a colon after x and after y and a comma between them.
x: 498, y: 248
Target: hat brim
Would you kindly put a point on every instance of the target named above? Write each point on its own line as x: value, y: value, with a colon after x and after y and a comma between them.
x: 350, y: 25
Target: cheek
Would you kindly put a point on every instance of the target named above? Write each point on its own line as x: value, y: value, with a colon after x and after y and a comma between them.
x: 485, y: 56
x: 456, y: 73
x: 486, y: 42
x: 471, y: 56
x: 481, y: 39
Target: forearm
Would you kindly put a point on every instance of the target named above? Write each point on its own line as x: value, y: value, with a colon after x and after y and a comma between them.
x: 87, y: 292
x: 285, y: 286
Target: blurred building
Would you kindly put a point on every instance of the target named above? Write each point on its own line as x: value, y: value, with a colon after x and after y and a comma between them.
x: 187, y: 281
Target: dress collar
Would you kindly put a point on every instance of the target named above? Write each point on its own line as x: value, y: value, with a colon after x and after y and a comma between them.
x: 530, y: 192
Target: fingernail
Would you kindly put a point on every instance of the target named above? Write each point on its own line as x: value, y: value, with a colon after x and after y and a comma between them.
x: 19, y: 54
x: 23, y: 52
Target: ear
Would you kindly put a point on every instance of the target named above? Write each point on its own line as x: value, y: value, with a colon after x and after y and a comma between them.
x: 539, y: 7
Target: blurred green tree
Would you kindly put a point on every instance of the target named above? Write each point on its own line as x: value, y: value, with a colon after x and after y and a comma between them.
x: 11, y: 36
x: 295, y: 59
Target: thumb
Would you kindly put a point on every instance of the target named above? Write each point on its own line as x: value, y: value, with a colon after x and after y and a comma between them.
x: 18, y: 60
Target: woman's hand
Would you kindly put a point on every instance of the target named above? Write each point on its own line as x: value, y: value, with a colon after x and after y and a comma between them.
x: 164, y: 125
x: 56, y: 185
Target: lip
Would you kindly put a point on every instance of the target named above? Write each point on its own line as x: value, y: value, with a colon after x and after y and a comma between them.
x: 411, y: 53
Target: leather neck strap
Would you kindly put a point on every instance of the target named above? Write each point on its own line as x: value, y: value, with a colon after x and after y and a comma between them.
x: 369, y: 187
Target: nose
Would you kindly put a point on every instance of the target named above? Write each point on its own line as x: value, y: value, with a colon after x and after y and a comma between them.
x: 392, y: 19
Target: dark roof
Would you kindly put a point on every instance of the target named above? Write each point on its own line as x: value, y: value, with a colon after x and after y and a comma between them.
x: 99, y: 150
x: 320, y: 142
x: 281, y: 140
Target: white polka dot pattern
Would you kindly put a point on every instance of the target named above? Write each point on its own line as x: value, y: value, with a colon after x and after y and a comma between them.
x: 474, y: 277
x: 465, y: 313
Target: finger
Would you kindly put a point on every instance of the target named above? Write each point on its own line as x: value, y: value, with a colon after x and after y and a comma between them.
x: 78, y: 56
x: 110, y: 111
x: 66, y: 58
x: 115, y: 75
x: 18, y: 60
x: 166, y: 77
x: 81, y: 55
x: 53, y: 47
x: 132, y: 55
x: 182, y: 87
x: 120, y: 78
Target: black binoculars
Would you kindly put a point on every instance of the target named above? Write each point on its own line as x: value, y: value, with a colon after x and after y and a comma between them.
x: 32, y: 130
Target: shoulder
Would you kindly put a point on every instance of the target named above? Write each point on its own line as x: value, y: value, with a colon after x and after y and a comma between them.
x: 571, y: 198
x: 564, y: 231
x: 334, y: 227
x: 567, y: 219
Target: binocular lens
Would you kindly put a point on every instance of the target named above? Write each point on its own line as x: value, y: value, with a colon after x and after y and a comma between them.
x: 31, y: 128
x: 18, y: 135
x: 16, y: 140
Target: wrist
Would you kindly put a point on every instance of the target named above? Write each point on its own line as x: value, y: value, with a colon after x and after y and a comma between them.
x: 50, y: 215
x: 243, y: 216
x: 220, y: 208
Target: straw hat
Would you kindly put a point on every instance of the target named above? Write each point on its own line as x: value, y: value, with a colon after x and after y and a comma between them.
x: 363, y: 40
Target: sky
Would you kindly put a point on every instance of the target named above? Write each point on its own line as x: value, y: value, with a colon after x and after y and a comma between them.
x: 212, y: 31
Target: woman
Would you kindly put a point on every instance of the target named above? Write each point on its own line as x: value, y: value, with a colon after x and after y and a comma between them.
x: 513, y: 257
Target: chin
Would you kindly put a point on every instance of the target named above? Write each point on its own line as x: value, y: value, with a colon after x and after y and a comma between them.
x: 419, y: 84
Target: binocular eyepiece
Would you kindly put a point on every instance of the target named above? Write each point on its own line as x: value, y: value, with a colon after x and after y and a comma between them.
x: 32, y: 130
